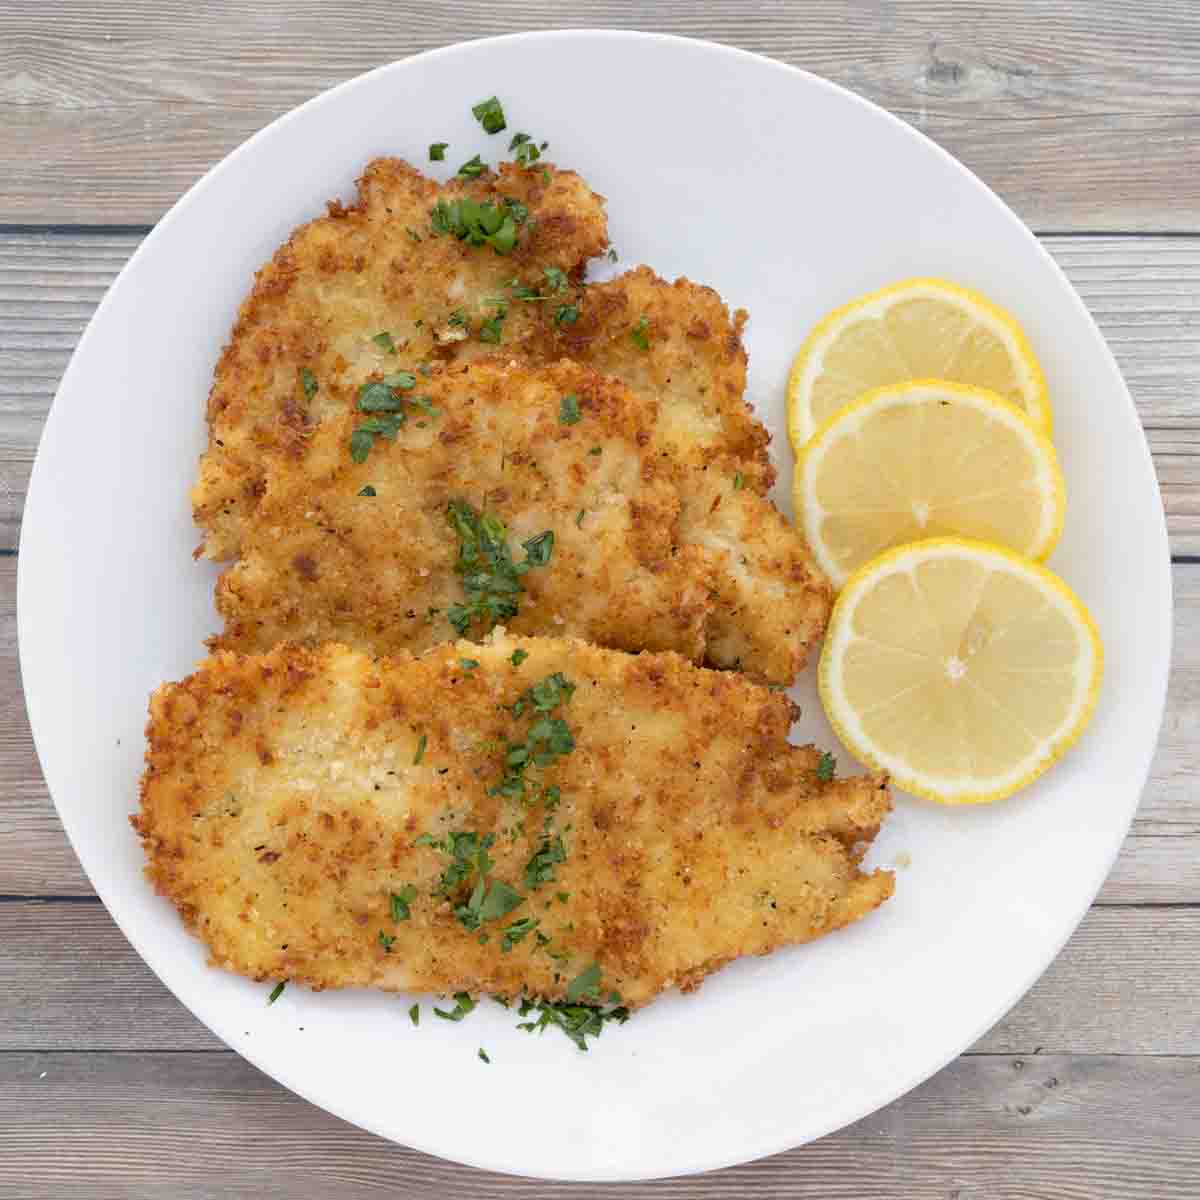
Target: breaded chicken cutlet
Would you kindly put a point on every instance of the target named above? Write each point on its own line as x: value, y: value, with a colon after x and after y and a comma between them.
x: 627, y: 546
x: 411, y: 273
x: 531, y: 816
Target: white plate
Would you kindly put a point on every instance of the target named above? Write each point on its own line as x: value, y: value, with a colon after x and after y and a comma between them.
x: 788, y: 195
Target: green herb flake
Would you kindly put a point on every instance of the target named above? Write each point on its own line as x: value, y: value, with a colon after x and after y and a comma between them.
x: 478, y: 222
x: 437, y: 151
x: 457, y: 319
x: 500, y: 900
x: 379, y: 397
x: 566, y: 314
x: 568, y: 410
x: 308, y: 381
x: 562, y: 897
x: 422, y: 742
x: 369, y: 490
x: 540, y: 868
x: 401, y: 900
x: 472, y: 168
x: 276, y: 992
x: 518, y: 656
x: 596, y: 450
x: 490, y: 114
x: 414, y: 1014
x: 463, y: 1004
x: 739, y: 481
x: 483, y: 1055
x: 517, y: 932
x: 585, y: 983
x: 384, y: 342
x: 612, y: 254
x: 403, y: 380
x: 386, y: 940
x: 360, y: 445
x: 468, y: 664
x: 640, y: 335
x: 556, y: 277
x: 579, y: 519
x: 490, y: 330
x: 826, y: 767
x: 576, y: 1021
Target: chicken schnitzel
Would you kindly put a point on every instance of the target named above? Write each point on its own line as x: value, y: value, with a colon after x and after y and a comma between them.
x: 533, y: 816
x: 418, y: 271
x: 373, y: 531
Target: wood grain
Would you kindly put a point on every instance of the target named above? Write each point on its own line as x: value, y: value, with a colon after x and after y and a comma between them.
x: 1159, y: 863
x: 1080, y: 113
x: 1123, y: 985
x: 202, y: 1126
x: 1144, y: 292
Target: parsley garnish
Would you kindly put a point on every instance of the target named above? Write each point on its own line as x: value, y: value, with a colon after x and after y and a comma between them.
x: 463, y: 1004
x: 308, y: 381
x: 826, y: 767
x: 384, y: 342
x: 579, y: 518
x: 401, y: 900
x: 516, y: 932
x: 540, y: 868
x: 490, y: 115
x: 548, y: 739
x: 404, y: 380
x: 490, y: 578
x: 612, y: 254
x: 422, y: 742
x: 585, y: 983
x: 276, y: 992
x: 468, y: 664
x: 577, y: 1021
x: 380, y: 398
x: 527, y: 150
x: 437, y: 151
x: 386, y: 940
x: 479, y: 222
x: 544, y: 696
x: 568, y: 410
x: 566, y: 314
x: 518, y: 656
x: 414, y: 1014
x: 596, y: 450
x: 639, y: 334
x: 472, y: 168
x: 556, y: 278
x: 457, y: 318
x: 483, y: 1055
x: 738, y: 481
x: 489, y: 330
x: 369, y: 490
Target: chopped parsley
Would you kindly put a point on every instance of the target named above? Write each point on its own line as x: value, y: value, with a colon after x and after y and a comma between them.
x: 401, y: 900
x: 826, y: 767
x: 457, y: 318
x: 586, y: 983
x: 491, y: 579
x: 568, y: 410
x: 369, y: 490
x: 437, y: 151
x: 463, y: 1004
x: 596, y: 450
x: 515, y: 932
x: 382, y: 399
x: 577, y: 1021
x: 639, y: 334
x: 556, y: 277
x: 489, y: 330
x: 276, y: 992
x: 540, y: 868
x: 489, y: 899
x: 612, y: 254
x: 526, y: 149
x: 479, y: 222
x: 545, y: 695
x: 739, y: 481
x: 414, y: 1014
x: 518, y: 656
x: 308, y: 381
x: 386, y: 940
x: 490, y: 114
x: 422, y: 742
x: 404, y: 380
x: 483, y: 1055
x: 548, y: 739
x: 384, y: 341
x: 472, y: 168
x: 579, y: 518
x: 566, y: 314
x: 468, y: 664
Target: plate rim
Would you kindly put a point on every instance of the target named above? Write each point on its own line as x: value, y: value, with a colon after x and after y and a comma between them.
x: 837, y: 1118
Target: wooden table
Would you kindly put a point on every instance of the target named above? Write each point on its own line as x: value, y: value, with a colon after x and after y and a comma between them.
x: 1084, y: 116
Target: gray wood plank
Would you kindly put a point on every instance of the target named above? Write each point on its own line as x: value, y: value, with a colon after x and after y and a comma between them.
x: 1159, y: 863
x: 1125, y: 984
x: 208, y: 1126
x: 1144, y: 292
x: 112, y: 111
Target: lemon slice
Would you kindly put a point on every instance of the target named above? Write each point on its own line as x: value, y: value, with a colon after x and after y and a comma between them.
x: 925, y: 459
x: 960, y: 668
x: 916, y: 329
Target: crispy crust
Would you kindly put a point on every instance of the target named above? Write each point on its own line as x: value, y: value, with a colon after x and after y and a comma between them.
x: 651, y: 551
x: 282, y: 798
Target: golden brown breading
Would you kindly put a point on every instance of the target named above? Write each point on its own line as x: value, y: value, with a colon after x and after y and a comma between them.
x: 374, y: 267
x: 285, y: 795
x: 377, y: 267
x: 650, y: 552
